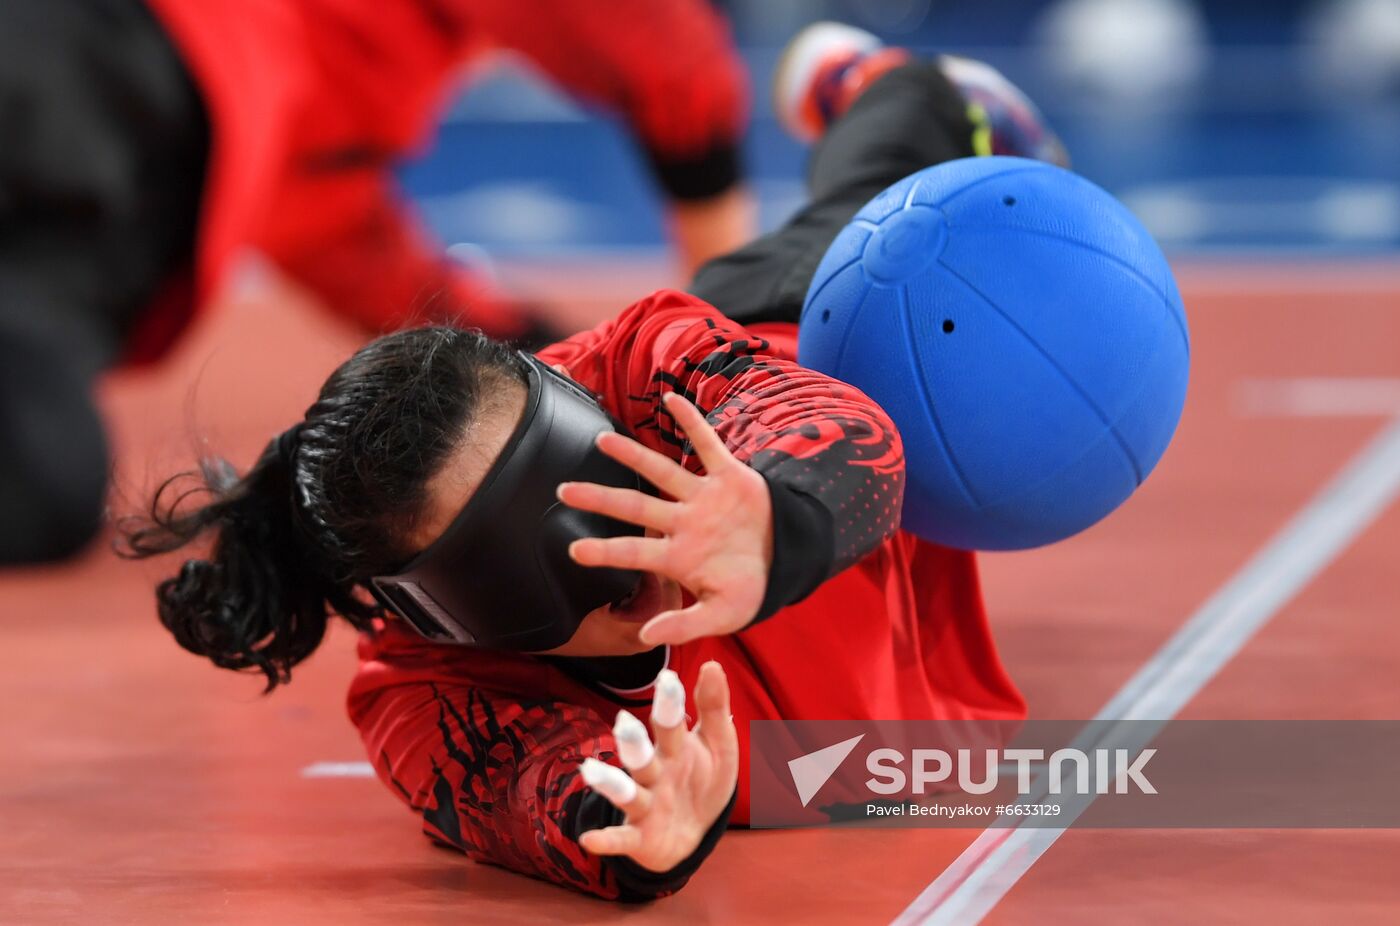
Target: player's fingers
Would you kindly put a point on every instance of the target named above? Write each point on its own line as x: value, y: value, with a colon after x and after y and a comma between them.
x: 701, y: 619
x: 668, y: 714
x: 612, y: 840
x: 635, y: 749
x: 702, y: 436
x: 624, y: 504
x: 715, y: 722
x: 658, y: 469
x: 617, y: 786
x: 646, y: 554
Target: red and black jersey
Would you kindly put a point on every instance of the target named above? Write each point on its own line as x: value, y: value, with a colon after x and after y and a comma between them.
x: 486, y: 746
x: 310, y: 103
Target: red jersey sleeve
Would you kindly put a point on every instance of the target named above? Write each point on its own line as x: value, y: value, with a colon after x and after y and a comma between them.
x: 832, y: 458
x: 498, y: 778
x: 669, y: 67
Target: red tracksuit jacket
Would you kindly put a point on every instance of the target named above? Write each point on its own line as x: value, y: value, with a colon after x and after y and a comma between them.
x: 311, y: 102
x: 486, y: 746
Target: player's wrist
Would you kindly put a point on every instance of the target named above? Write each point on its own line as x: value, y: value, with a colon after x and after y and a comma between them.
x: 802, y: 547
x: 639, y: 882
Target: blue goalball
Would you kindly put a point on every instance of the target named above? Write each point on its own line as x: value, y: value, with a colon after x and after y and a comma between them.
x: 1024, y: 332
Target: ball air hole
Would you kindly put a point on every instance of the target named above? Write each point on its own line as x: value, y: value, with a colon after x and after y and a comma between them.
x: 826, y: 315
x: 947, y: 326
x: 1009, y: 200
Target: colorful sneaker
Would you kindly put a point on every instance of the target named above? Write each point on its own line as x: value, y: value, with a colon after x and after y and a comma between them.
x: 1007, y: 121
x: 827, y: 65
x: 821, y: 72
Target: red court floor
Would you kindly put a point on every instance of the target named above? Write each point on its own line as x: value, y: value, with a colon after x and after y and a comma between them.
x: 143, y: 786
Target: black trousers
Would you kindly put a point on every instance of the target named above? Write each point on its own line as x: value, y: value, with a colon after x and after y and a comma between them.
x: 103, y: 142
x: 909, y: 119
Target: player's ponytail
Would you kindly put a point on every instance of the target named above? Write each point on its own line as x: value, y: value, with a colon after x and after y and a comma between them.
x: 325, y: 506
x: 256, y: 601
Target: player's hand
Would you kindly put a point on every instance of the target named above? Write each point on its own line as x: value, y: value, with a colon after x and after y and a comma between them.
x: 714, y: 535
x: 677, y: 788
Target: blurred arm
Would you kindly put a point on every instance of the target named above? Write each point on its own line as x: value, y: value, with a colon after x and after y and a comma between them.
x: 670, y: 69
x: 707, y: 228
x: 346, y: 235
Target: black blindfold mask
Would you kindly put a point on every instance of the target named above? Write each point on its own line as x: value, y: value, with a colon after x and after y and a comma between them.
x: 500, y: 576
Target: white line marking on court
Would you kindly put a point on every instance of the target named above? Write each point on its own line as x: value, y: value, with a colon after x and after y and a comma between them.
x: 338, y: 770
x: 1281, y: 280
x: 1320, y: 397
x: 979, y: 878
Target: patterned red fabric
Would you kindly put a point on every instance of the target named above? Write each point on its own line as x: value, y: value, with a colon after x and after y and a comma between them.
x: 310, y: 103
x: 486, y: 745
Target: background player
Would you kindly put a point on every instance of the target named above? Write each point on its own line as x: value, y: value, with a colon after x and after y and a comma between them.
x: 148, y: 147
x: 796, y: 512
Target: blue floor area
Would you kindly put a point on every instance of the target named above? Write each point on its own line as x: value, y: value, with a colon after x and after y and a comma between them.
x: 1247, y: 165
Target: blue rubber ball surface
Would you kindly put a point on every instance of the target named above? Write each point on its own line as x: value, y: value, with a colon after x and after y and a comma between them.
x: 1024, y: 332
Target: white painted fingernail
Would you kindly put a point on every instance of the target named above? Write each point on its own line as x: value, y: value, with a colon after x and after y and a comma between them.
x: 609, y: 781
x: 633, y: 742
x: 668, y: 705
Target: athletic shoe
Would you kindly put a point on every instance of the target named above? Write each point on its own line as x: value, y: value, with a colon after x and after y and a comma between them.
x: 1007, y: 121
x: 828, y: 65
x: 821, y: 72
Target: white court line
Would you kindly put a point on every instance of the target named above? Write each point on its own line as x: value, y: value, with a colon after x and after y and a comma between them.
x: 1282, y: 278
x: 1320, y: 396
x: 338, y: 770
x: 983, y: 874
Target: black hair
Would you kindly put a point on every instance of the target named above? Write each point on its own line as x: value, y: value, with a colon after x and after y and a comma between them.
x: 326, y: 506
